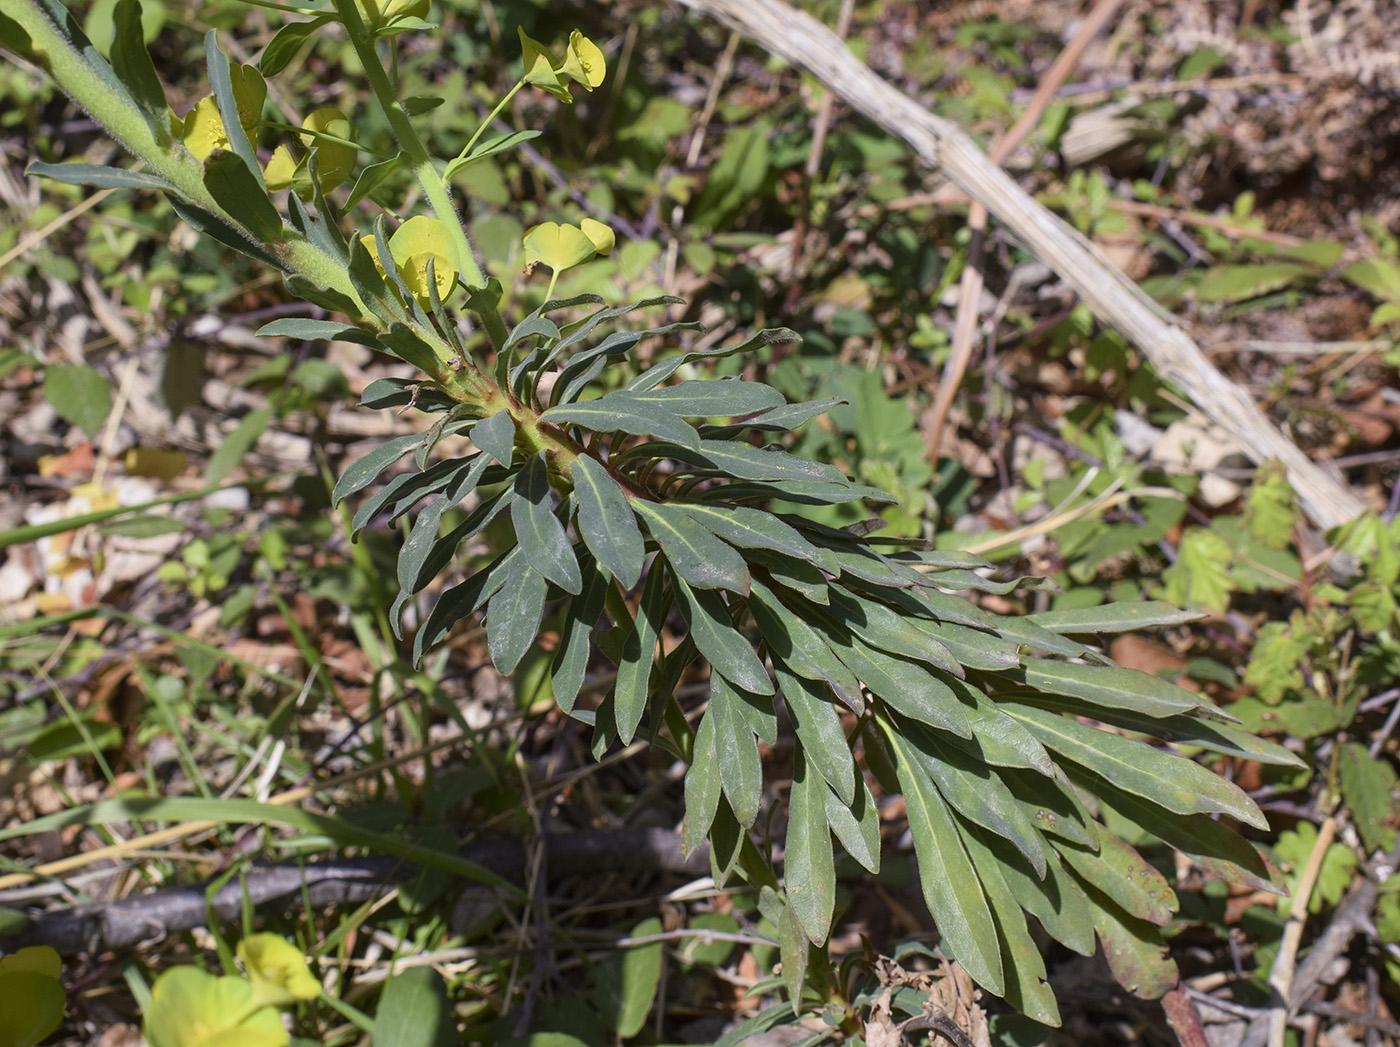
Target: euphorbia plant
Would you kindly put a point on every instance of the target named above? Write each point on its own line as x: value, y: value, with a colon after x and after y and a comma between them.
x: 660, y: 490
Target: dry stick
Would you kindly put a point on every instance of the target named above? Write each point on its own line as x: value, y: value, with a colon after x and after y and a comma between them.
x: 1281, y: 979
x: 971, y: 291
x: 1116, y: 300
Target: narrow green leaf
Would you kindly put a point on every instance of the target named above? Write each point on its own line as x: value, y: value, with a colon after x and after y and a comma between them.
x: 885, y: 629
x: 736, y: 752
x: 1113, y: 688
x: 306, y: 329
x: 1117, y: 617
x: 221, y: 86
x: 496, y: 436
x: 951, y: 886
x: 782, y: 419
x: 755, y: 529
x: 757, y: 710
x: 533, y: 326
x: 712, y: 629
x: 1213, y: 846
x: 804, y: 492
x: 693, y: 552
x: 742, y: 461
x: 622, y: 412
x: 975, y: 792
x: 1123, y: 875
x: 606, y: 521
x: 133, y: 66
x: 215, y: 227
x: 974, y: 648
x: 485, y: 149
x: 998, y: 739
x: 423, y: 536
x: 857, y: 825
x: 462, y: 600
x: 702, y: 786
x: 1210, y: 735
x: 792, y: 949
x: 1136, y: 954
x: 241, y: 194
x: 1026, y: 987
x: 796, y: 644
x: 819, y: 729
x: 801, y: 577
x: 638, y: 655
x: 1053, y: 807
x: 809, y: 866
x: 658, y: 373
x: 1025, y: 632
x: 97, y: 176
x: 907, y: 687
x: 513, y: 616
x: 1056, y: 900
x: 539, y: 531
x: 576, y: 638
x: 1170, y: 781
x: 372, y: 177
x: 414, y: 1011
x: 713, y: 397
x: 405, y: 490
x: 285, y: 44
x: 727, y: 836
x: 441, y: 552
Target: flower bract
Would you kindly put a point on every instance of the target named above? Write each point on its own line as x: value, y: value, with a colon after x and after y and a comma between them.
x: 31, y: 994
x: 541, y: 68
x: 193, y: 1008
x: 564, y: 246
x: 203, y: 130
x: 277, y: 970
x: 334, y: 160
x: 377, y: 13
x: 415, y: 242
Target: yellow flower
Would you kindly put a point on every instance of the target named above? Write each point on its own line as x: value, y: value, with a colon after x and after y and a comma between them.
x: 415, y: 242
x: 32, y: 996
x: 192, y: 1008
x: 334, y: 161
x: 584, y: 62
x: 277, y: 970
x: 203, y: 130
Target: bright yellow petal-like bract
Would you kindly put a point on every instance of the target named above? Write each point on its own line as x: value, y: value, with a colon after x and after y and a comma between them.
x: 558, y: 246
x: 584, y: 62
x: 192, y: 1008
x: 277, y: 970
x: 600, y: 234
x: 334, y: 160
x: 31, y: 996
x: 280, y: 170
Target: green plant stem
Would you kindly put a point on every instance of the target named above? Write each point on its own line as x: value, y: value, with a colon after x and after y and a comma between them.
x: 429, y: 178
x: 491, y: 116
x: 121, y: 118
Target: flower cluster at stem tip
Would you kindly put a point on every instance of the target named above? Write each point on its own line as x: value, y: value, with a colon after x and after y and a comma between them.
x: 31, y: 996
x: 193, y: 1008
x: 328, y: 134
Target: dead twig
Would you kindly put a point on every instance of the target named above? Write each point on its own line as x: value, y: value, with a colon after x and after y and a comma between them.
x: 1116, y: 300
x: 965, y: 328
